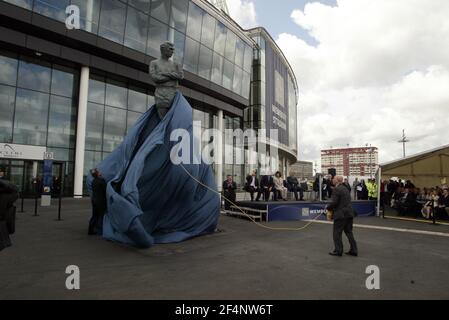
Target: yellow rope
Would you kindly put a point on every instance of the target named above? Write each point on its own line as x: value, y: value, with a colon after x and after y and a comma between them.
x: 248, y: 216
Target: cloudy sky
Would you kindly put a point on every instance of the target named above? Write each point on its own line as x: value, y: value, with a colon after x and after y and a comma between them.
x: 366, y: 70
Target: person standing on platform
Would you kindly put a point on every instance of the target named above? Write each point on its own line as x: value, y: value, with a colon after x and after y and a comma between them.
x: 99, y: 204
x: 229, y: 187
x: 343, y: 218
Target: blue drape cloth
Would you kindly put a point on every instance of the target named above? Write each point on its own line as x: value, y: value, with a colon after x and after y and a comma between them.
x: 150, y: 199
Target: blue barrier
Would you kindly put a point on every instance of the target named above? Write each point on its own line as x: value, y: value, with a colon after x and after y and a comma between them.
x: 310, y: 210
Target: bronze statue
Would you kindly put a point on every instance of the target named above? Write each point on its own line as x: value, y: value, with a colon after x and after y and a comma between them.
x: 166, y: 74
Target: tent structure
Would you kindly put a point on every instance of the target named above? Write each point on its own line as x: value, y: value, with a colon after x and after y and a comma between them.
x: 426, y: 169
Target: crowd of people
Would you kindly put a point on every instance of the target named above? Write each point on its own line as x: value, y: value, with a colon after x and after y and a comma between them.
x: 409, y: 200
x: 269, y: 185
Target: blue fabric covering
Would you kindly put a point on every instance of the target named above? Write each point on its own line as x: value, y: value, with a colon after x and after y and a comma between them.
x: 150, y: 199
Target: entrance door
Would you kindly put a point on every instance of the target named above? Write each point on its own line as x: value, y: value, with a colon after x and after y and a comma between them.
x: 27, y: 176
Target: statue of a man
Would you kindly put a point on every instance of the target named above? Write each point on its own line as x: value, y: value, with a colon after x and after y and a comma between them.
x: 166, y: 74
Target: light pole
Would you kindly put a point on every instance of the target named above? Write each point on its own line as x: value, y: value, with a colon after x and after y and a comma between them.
x: 404, y: 140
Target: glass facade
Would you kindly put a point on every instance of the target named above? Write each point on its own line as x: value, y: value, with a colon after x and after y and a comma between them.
x: 113, y: 108
x: 38, y: 106
x: 144, y: 24
x: 231, y: 150
x: 38, y: 99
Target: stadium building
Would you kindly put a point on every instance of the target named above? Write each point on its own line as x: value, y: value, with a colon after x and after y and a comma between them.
x: 72, y: 94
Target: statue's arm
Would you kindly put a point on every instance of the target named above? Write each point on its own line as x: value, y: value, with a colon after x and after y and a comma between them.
x: 158, y: 76
x: 178, y: 74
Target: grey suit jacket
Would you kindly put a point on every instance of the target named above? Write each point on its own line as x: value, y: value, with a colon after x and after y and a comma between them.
x: 341, y: 203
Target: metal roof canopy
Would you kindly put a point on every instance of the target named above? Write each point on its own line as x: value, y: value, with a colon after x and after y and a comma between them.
x: 425, y: 169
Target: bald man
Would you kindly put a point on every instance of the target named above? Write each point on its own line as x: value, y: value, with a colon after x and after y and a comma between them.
x: 343, y: 217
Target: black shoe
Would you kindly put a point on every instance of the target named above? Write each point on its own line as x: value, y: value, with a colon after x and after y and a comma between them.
x: 333, y: 253
x: 350, y: 253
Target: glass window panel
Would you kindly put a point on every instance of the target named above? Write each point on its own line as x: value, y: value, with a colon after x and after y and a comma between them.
x: 116, y: 94
x: 94, y: 126
x: 192, y: 53
x: 27, y: 4
x: 7, y: 100
x: 239, y: 53
x: 61, y: 123
x: 30, y: 121
x: 205, y: 62
x: 8, y: 70
x: 62, y: 154
x: 178, y: 19
x: 54, y: 9
x: 137, y: 100
x: 136, y: 30
x: 34, y: 76
x: 142, y: 5
x: 248, y: 58
x: 160, y: 9
x: 220, y: 38
x: 208, y: 30
x: 178, y: 39
x: 62, y: 83
x: 112, y: 20
x: 131, y: 120
x: 217, y: 69
x: 91, y: 160
x: 114, y: 128
x: 246, y: 85
x: 228, y: 74
x: 230, y: 46
x: 96, y: 91
x: 194, y: 21
x: 237, y: 82
x: 157, y: 34
x: 89, y: 14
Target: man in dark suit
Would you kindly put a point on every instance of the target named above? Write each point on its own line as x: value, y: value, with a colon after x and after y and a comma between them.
x: 252, y: 184
x: 293, y: 186
x: 99, y: 204
x: 343, y: 217
x: 8, y: 195
x: 266, y: 186
x: 407, y: 203
x: 229, y: 187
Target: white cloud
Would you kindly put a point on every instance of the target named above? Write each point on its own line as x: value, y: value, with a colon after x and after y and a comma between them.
x: 379, y: 66
x: 243, y: 12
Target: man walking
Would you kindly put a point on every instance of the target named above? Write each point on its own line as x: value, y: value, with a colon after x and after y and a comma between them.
x: 343, y: 218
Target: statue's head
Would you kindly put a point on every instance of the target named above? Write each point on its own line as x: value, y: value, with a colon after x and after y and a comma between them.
x: 167, y: 49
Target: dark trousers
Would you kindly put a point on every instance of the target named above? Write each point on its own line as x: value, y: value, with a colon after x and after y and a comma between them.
x: 296, y: 190
x: 265, y: 192
x: 346, y: 226
x: 96, y: 221
x: 251, y: 191
x: 277, y: 194
x: 230, y: 197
